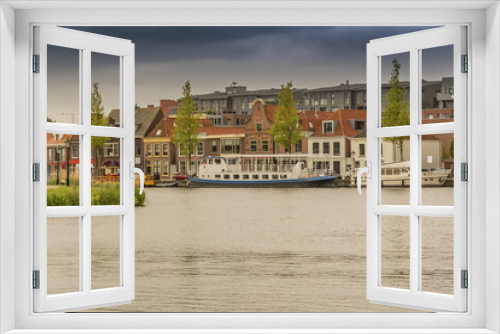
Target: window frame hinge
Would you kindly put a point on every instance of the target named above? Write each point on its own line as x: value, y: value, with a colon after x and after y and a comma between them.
x: 36, y: 63
x: 464, y: 279
x: 464, y: 171
x: 36, y: 172
x: 36, y: 279
x: 465, y: 64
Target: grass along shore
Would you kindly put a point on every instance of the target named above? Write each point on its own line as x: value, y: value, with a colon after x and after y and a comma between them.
x: 101, y: 194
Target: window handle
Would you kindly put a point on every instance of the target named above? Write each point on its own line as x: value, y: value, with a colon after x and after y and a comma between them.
x: 134, y: 170
x: 368, y: 171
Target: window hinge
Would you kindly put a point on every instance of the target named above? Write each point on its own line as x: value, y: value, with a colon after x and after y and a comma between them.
x: 465, y: 64
x: 465, y: 279
x: 36, y: 63
x: 36, y: 279
x: 464, y: 167
x: 36, y: 172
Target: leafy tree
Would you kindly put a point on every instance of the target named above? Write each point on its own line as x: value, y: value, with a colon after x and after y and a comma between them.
x: 397, y: 110
x: 286, y: 129
x: 99, y: 119
x: 186, y: 125
x: 451, y: 150
x: 50, y: 120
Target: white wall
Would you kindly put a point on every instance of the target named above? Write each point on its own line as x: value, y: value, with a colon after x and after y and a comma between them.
x: 7, y: 181
x: 492, y: 208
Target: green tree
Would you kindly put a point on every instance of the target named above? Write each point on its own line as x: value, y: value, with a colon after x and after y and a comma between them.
x: 97, y: 118
x: 50, y: 120
x: 286, y: 129
x: 186, y: 125
x: 451, y: 150
x: 397, y: 110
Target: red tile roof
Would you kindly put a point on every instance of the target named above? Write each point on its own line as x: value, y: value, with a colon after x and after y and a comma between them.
x: 51, y: 139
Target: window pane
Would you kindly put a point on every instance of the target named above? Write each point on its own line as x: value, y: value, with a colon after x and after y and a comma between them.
x: 105, y: 252
x: 395, y: 244
x: 394, y: 171
x: 63, y: 255
x: 63, y: 85
x: 437, y: 169
x: 395, y: 89
x: 437, y: 254
x: 105, y: 171
x: 437, y: 85
x: 63, y: 170
x: 106, y: 83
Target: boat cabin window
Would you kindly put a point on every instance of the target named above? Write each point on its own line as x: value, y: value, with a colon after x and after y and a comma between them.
x: 227, y: 177
x: 218, y: 161
x: 236, y: 176
x: 217, y: 176
x: 275, y: 177
x: 255, y: 177
x: 265, y: 177
x: 210, y: 161
x: 283, y: 176
x: 246, y: 177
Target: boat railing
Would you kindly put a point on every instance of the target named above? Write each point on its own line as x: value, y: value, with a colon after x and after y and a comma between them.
x: 259, y: 168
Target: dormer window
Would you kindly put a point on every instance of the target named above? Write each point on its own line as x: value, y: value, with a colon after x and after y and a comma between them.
x: 158, y: 133
x: 327, y: 127
x: 359, y: 125
x: 311, y: 125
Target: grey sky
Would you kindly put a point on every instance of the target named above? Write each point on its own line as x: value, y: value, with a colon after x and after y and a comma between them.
x: 213, y: 57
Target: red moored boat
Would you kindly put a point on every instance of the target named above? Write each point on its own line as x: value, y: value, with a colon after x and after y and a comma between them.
x: 181, y: 177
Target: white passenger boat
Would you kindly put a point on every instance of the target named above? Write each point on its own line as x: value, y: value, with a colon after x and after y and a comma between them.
x: 258, y: 171
x: 398, y: 175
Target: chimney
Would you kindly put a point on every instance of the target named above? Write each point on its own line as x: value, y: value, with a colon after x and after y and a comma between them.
x: 347, y: 82
x: 151, y: 105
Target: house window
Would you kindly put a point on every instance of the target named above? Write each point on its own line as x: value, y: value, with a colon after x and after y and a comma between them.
x: 165, y: 167
x: 265, y: 146
x: 213, y: 146
x: 327, y: 127
x: 230, y: 146
x: 49, y: 155
x: 74, y: 151
x: 199, y: 150
x: 148, y: 167
x: 138, y: 152
x: 323, y: 101
x: 362, y: 150
x: 148, y: 150
x: 336, y: 167
x: 315, y: 99
x: 182, y: 167
x: 157, y: 150
x: 165, y: 149
x: 315, y: 148
x: 298, y: 148
x: 157, y: 167
x: 336, y: 148
x: 253, y: 146
x: 259, y: 127
x: 359, y: 125
x: 326, y: 148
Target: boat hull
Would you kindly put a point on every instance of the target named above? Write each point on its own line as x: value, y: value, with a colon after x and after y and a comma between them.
x: 313, y: 182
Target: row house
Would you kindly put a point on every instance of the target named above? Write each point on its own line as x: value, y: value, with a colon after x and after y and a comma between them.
x: 61, y: 150
x: 164, y: 159
x: 328, y: 138
x: 145, y: 120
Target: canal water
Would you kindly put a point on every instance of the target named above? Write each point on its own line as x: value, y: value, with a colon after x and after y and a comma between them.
x: 262, y: 250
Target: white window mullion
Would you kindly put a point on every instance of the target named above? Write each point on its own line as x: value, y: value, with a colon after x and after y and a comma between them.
x: 415, y: 97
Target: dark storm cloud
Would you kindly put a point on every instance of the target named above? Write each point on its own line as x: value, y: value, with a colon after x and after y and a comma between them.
x: 256, y: 57
x: 157, y: 44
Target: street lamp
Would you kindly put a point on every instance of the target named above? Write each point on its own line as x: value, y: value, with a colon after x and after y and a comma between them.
x: 67, y: 161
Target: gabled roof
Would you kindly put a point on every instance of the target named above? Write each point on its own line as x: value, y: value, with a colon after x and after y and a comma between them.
x: 143, y: 119
x: 51, y: 139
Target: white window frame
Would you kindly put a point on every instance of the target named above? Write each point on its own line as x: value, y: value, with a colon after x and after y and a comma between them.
x: 484, y: 212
